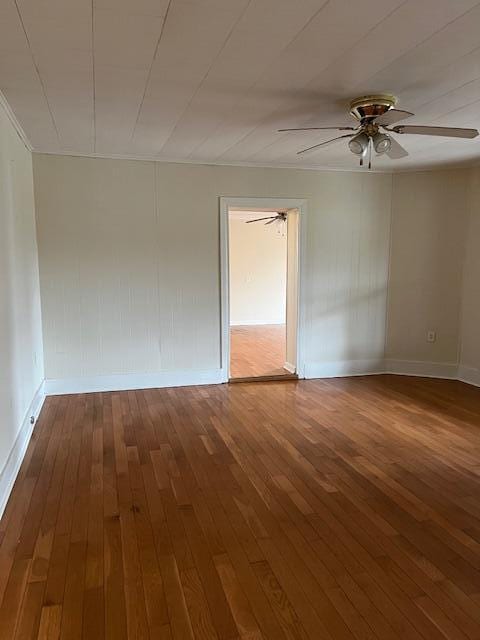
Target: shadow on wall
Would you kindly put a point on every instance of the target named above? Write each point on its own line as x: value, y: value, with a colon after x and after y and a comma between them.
x: 354, y: 326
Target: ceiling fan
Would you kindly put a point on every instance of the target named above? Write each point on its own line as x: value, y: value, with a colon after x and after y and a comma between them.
x: 375, y: 115
x: 278, y: 217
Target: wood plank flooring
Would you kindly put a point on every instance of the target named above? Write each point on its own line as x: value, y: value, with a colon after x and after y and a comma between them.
x: 257, y: 350
x: 331, y: 509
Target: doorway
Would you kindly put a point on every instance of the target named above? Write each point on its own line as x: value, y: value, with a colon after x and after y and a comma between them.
x: 262, y: 301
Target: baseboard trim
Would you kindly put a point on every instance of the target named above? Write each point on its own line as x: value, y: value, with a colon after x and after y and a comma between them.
x: 9, y: 472
x: 256, y: 324
x: 291, y: 368
x: 469, y: 375
x: 343, y: 368
x: 414, y: 368
x: 336, y: 369
x: 422, y: 369
x: 127, y: 382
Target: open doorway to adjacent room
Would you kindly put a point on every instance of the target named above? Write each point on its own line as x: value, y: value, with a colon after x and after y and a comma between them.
x: 261, y: 257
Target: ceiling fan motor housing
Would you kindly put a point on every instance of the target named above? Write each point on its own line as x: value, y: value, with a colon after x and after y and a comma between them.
x: 366, y: 108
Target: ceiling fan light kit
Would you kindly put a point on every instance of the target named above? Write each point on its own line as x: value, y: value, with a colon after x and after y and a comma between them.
x: 375, y: 114
x: 359, y: 144
x: 381, y: 142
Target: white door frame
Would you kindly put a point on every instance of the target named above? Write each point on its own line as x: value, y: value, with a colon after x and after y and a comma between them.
x: 253, y: 204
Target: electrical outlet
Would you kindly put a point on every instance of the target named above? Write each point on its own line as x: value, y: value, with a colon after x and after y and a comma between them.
x: 431, y: 336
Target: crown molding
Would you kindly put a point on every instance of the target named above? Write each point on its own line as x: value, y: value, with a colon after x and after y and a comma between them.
x: 15, y: 123
x: 252, y: 165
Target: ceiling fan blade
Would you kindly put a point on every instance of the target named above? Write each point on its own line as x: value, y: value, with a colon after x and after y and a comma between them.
x: 448, y: 132
x: 392, y: 116
x: 322, y: 144
x: 318, y: 129
x: 260, y: 219
x: 396, y: 150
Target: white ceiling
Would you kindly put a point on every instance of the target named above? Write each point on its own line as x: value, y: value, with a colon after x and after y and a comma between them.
x: 212, y: 80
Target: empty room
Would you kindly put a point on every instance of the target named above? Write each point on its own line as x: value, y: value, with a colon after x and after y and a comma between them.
x: 239, y: 320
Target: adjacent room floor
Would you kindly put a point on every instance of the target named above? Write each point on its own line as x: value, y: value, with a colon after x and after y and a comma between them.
x: 334, y: 509
x: 257, y: 350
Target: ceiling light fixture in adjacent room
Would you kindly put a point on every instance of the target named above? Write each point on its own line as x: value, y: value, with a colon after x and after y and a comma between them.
x: 280, y: 218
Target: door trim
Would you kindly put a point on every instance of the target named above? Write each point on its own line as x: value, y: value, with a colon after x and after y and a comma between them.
x: 227, y: 203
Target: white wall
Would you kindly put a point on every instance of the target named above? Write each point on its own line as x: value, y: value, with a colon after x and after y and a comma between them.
x: 258, y: 272
x: 470, y: 327
x: 427, y: 252
x: 129, y: 265
x: 21, y: 356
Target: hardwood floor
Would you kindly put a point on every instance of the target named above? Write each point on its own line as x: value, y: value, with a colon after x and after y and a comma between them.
x: 335, y: 509
x: 257, y: 350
